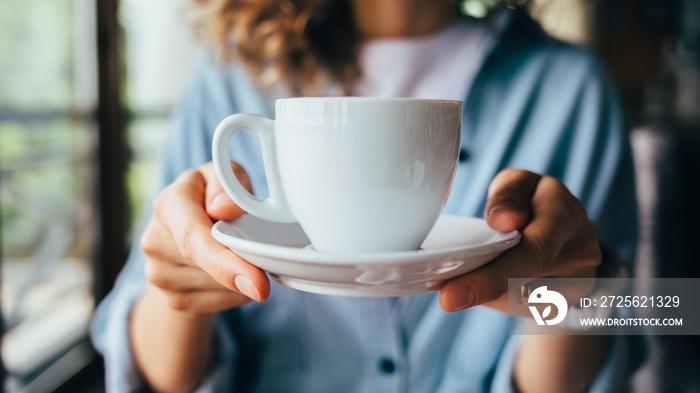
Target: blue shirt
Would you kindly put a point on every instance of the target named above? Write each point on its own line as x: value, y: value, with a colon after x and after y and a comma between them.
x: 536, y: 104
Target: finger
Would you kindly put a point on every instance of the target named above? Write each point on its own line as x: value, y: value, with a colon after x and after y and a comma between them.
x: 218, y: 204
x: 508, y: 203
x: 203, y: 302
x: 554, y: 221
x: 157, y: 242
x: 490, y: 281
x: 180, y: 207
x: 176, y: 277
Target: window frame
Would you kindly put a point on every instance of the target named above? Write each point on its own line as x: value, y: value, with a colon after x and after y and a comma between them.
x: 111, y: 124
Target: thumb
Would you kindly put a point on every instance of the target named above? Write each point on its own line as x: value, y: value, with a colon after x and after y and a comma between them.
x: 508, y: 206
x: 218, y: 204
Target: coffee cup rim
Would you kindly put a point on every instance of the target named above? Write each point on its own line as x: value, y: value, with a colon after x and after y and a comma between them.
x: 375, y: 99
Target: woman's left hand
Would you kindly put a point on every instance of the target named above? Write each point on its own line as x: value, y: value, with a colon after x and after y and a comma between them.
x: 558, y: 240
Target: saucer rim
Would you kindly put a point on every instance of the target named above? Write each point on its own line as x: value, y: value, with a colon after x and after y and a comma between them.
x: 506, y: 241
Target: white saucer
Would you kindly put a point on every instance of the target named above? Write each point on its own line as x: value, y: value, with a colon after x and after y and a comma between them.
x: 455, y: 246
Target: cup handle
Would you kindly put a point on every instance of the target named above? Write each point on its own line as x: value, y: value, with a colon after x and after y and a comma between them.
x: 275, y: 207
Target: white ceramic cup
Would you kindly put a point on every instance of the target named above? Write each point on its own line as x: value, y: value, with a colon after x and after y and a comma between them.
x: 359, y: 174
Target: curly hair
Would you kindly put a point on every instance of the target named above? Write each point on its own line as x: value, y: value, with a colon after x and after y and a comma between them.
x: 302, y: 43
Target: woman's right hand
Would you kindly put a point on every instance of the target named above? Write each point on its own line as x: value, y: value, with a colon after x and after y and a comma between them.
x: 194, y: 272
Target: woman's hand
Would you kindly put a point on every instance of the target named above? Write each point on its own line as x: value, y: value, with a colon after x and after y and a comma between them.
x: 192, y: 277
x: 558, y: 240
x: 191, y: 269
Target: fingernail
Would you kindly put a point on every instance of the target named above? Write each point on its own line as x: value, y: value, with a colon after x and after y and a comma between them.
x: 221, y: 199
x: 462, y: 297
x: 246, y: 287
x: 505, y: 206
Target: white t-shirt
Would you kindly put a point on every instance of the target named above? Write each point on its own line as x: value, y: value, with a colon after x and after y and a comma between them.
x: 441, y: 65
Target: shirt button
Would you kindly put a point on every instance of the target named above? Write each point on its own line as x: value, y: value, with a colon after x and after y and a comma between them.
x: 387, y: 366
x: 463, y: 155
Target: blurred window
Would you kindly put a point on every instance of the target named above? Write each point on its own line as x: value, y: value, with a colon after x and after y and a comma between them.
x: 47, y: 179
x: 158, y: 56
x: 53, y: 240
